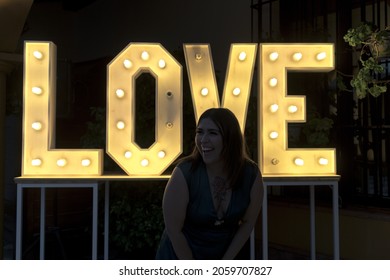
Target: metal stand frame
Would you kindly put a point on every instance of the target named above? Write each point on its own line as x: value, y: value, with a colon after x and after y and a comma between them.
x: 331, y: 181
x: 43, y: 187
x: 44, y: 183
x: 61, y: 182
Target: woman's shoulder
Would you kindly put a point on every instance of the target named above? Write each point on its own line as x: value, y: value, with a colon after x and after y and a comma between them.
x: 251, y: 170
x: 184, y: 165
x: 190, y: 170
x: 251, y: 165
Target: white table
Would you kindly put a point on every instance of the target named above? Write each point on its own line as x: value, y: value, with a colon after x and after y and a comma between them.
x: 43, y: 184
x: 310, y: 181
x: 93, y: 182
x: 76, y: 182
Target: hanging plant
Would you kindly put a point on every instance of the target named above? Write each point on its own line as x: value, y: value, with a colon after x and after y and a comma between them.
x: 372, y: 46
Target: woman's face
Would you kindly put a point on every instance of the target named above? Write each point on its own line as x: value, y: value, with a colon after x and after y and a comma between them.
x: 209, y: 142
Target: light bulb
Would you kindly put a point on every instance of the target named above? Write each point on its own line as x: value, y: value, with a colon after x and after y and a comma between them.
x: 297, y: 56
x: 161, y: 154
x: 120, y: 93
x: 236, y: 91
x: 292, y: 109
x: 120, y: 125
x: 273, y: 135
x: 299, y: 161
x: 323, y: 161
x: 128, y: 154
x: 61, y: 162
x: 198, y: 56
x: 144, y: 162
x: 204, y: 91
x: 127, y: 63
x: 36, y: 90
x: 86, y: 162
x: 36, y: 126
x: 162, y: 63
x: 321, y: 56
x: 273, y: 82
x: 273, y: 56
x: 273, y: 108
x: 145, y: 55
x: 242, y: 56
x: 38, y: 55
x: 36, y: 162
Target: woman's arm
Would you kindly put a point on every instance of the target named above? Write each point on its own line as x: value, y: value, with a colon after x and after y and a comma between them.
x: 249, y: 219
x: 175, y: 203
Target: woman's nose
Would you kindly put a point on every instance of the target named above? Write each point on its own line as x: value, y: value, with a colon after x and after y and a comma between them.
x: 204, y: 138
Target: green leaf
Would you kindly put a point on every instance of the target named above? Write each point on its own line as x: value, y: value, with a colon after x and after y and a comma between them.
x: 377, y: 90
x: 357, y: 36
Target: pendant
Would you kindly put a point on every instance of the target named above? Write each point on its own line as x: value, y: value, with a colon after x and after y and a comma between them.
x: 219, y: 222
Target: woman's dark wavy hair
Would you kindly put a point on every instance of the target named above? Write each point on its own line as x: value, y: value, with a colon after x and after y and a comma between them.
x: 234, y: 152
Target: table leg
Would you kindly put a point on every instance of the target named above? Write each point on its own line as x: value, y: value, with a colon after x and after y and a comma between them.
x: 312, y: 224
x: 94, y: 221
x: 19, y: 222
x: 336, y: 244
x: 265, y: 223
x: 42, y: 231
x: 106, y: 219
x: 252, y: 245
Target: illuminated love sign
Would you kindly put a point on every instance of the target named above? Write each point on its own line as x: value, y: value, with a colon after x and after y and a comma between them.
x: 40, y: 157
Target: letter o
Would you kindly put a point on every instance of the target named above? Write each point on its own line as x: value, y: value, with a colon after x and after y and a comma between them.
x: 122, y: 73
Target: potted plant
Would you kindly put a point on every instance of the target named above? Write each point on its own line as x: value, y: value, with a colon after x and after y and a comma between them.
x: 372, y: 45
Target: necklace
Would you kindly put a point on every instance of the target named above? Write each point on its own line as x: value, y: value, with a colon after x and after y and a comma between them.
x: 220, y: 197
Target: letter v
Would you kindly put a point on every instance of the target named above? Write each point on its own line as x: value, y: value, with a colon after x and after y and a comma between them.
x: 238, y: 79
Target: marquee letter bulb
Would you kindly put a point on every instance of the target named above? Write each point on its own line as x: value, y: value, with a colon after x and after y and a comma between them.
x: 145, y: 55
x: 162, y: 63
x: 273, y: 56
x: 36, y: 126
x: 36, y: 162
x: 38, y: 55
x: 273, y: 82
x: 120, y: 125
x: 321, y: 56
x: 273, y: 135
x: 292, y: 109
x: 161, y: 154
x: 127, y: 63
x: 297, y: 56
x: 86, y: 162
x: 273, y: 108
x: 236, y: 91
x: 36, y: 90
x: 61, y: 162
x: 323, y: 161
x: 128, y: 154
x: 144, y: 162
x: 120, y: 93
x: 242, y: 56
x: 204, y: 91
x: 299, y: 161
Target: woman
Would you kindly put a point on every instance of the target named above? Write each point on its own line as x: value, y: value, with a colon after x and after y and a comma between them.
x: 214, y: 196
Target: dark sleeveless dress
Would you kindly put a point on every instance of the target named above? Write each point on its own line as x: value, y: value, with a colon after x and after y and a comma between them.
x: 207, y: 237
